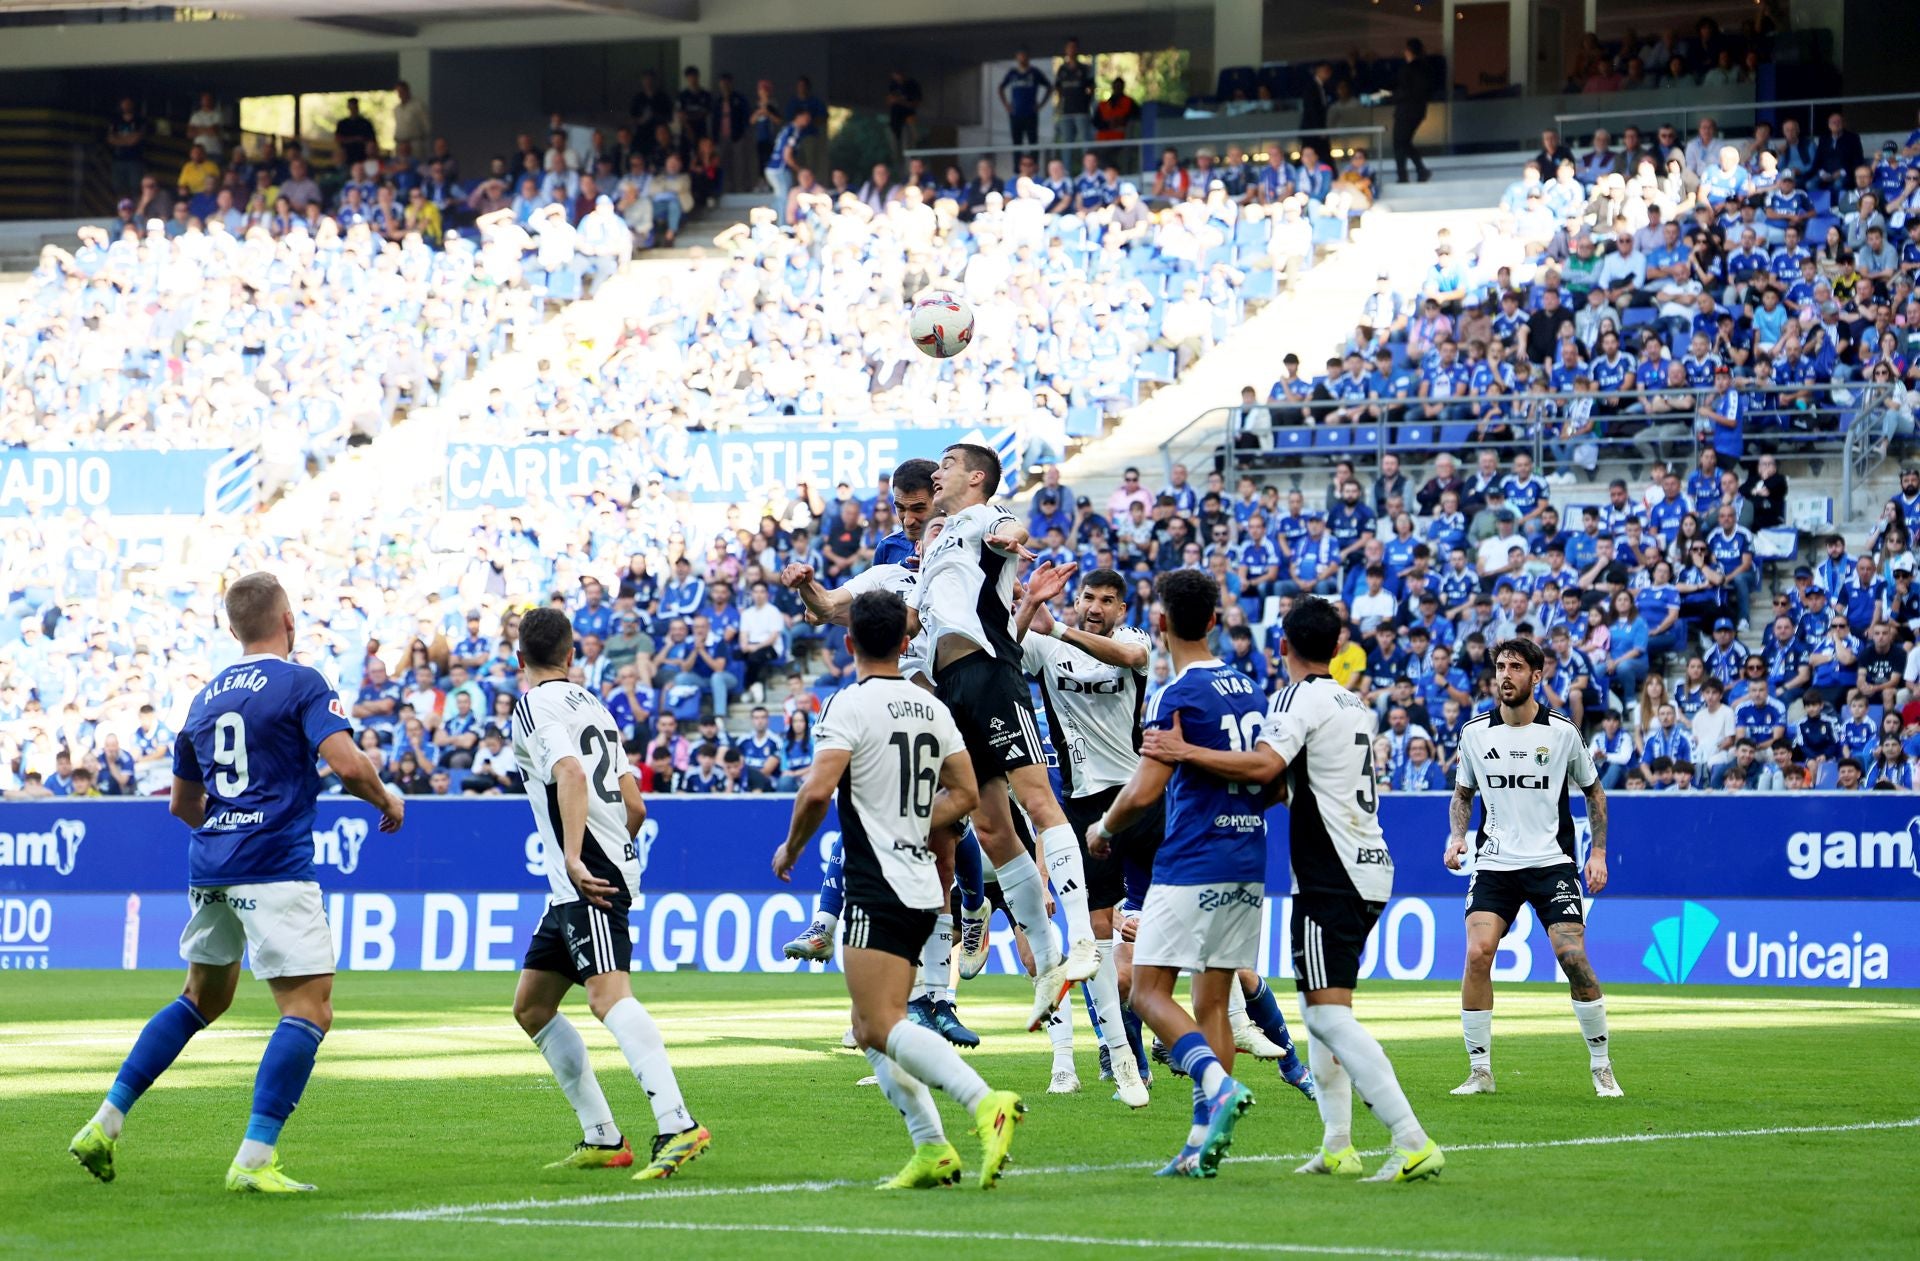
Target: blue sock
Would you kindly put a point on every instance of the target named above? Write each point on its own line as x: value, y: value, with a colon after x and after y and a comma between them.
x: 1264, y: 1010
x: 282, y: 1078
x: 1131, y: 1022
x: 1196, y: 1060
x: 1199, y: 1104
x: 968, y: 874
x: 1093, y: 1015
x: 833, y: 898
x: 155, y: 1050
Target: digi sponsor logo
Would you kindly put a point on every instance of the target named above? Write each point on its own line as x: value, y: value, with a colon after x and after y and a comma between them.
x: 58, y: 847
x: 1810, y: 853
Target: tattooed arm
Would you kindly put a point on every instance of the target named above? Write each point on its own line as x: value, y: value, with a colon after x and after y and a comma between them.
x: 1597, y: 849
x: 1459, y: 815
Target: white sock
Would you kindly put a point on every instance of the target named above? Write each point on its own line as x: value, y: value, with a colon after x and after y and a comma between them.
x: 253, y: 1155
x: 1478, y: 1028
x: 1335, y: 1094
x: 1060, y: 1033
x: 110, y: 1119
x: 1068, y: 873
x: 829, y: 921
x: 646, y: 1053
x: 1593, y: 1027
x: 930, y: 1057
x: 931, y: 980
x: 566, y: 1054
x: 908, y: 1094
x: 1236, y: 1005
x: 1020, y: 888
x: 1104, y: 988
x: 1370, y: 1069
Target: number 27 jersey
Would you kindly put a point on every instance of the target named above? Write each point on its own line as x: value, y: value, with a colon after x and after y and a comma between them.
x: 559, y: 720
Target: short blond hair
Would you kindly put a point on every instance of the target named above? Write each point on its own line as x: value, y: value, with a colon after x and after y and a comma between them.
x: 254, y: 603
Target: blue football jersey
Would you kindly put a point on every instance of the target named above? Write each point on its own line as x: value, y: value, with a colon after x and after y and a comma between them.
x: 1215, y: 831
x: 252, y: 737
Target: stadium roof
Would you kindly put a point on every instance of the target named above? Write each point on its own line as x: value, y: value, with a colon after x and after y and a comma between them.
x: 395, y: 17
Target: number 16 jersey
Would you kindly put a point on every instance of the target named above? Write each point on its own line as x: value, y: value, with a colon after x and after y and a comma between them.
x: 559, y: 720
x: 897, y: 736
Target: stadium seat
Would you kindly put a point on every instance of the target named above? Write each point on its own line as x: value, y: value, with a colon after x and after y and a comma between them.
x: 1293, y: 439
x: 1260, y: 285
x: 1637, y: 316
x: 1237, y: 79
x: 1332, y: 437
x: 1084, y: 421
x: 1156, y: 366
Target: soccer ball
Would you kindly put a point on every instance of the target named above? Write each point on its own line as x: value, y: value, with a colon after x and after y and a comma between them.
x: 941, y: 323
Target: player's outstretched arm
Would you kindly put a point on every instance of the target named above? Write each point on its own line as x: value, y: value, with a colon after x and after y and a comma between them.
x: 1146, y: 785
x: 1596, y: 872
x: 359, y: 776
x: 810, y: 807
x: 827, y: 607
x: 959, y: 793
x: 1459, y: 815
x: 1258, y: 765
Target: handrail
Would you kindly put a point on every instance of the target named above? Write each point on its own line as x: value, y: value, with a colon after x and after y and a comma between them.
x: 1240, y: 137
x: 1687, y: 111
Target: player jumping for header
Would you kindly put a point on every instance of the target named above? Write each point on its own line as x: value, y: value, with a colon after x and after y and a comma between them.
x: 244, y: 782
x: 1520, y: 758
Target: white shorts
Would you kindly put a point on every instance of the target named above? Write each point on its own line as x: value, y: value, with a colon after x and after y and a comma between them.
x: 283, y: 925
x: 1194, y: 927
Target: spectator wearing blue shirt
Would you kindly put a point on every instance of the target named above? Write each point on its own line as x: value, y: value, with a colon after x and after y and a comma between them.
x: 784, y: 162
x: 763, y: 749
x: 1316, y: 561
x: 1731, y: 548
x: 1627, y: 648
x: 1023, y: 90
x: 378, y: 704
x: 1788, y: 674
x: 1350, y: 523
x: 681, y: 596
x: 1759, y: 717
x: 1726, y: 412
x: 1815, y: 736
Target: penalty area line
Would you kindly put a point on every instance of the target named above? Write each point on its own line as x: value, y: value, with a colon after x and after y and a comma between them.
x: 450, y: 1212
x: 1009, y: 1236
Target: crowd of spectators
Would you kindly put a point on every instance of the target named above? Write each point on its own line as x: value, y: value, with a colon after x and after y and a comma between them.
x: 1706, y: 57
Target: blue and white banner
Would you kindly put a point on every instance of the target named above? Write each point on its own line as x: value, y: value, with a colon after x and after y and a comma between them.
x: 1703, y: 846
x: 1715, y: 941
x: 479, y: 475
x: 128, y: 483
x: 731, y: 467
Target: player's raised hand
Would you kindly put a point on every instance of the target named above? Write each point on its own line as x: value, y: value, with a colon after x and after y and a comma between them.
x: 1048, y: 580
x: 1457, y: 854
x: 1596, y: 870
x: 394, y: 813
x: 595, y: 890
x: 796, y: 575
x: 1169, y: 746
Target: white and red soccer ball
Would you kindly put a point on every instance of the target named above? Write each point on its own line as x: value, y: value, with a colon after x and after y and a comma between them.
x: 941, y: 323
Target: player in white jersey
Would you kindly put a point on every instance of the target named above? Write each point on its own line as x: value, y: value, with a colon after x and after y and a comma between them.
x: 587, y: 807
x: 893, y: 757
x: 1320, y: 736
x: 1093, y: 680
x: 1520, y: 759
x: 966, y: 605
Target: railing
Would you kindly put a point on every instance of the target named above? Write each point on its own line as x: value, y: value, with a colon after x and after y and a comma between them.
x: 233, y: 483
x: 1253, y: 137
x: 1810, y: 110
x: 1294, y: 434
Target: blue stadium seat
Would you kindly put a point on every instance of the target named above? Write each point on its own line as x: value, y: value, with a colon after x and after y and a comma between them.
x: 1635, y: 316
x: 1411, y: 435
x: 1084, y: 421
x: 1332, y: 438
x: 1155, y: 365
x: 1329, y: 231
x: 1293, y: 439
x: 1260, y: 285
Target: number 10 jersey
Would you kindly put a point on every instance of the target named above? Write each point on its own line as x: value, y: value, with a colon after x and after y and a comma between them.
x: 896, y: 736
x: 559, y: 720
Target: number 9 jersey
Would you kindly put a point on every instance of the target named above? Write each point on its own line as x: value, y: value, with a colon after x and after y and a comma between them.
x: 554, y: 721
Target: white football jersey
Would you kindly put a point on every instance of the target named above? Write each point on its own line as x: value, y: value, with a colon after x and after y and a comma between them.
x: 904, y: 583
x: 897, y: 736
x: 1522, y: 776
x: 1325, y: 733
x: 559, y: 720
x: 1093, y: 710
x: 966, y: 587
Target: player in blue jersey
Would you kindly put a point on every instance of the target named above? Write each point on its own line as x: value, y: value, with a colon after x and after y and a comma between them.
x: 244, y: 782
x: 1202, y: 912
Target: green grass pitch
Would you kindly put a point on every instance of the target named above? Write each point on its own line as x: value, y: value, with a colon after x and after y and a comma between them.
x: 1757, y: 1123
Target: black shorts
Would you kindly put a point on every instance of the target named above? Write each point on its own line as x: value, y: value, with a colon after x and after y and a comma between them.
x: 1329, y: 936
x: 1137, y: 842
x: 578, y: 940
x: 886, y: 925
x: 1553, y: 893
x: 994, y: 711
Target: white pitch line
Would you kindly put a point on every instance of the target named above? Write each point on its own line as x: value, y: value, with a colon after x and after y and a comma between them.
x: 458, y: 1211
x: 1009, y: 1236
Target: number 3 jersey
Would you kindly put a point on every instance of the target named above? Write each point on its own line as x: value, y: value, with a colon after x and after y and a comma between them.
x: 554, y: 721
x: 1216, y: 833
x: 252, y: 737
x: 1325, y: 733
x: 896, y: 736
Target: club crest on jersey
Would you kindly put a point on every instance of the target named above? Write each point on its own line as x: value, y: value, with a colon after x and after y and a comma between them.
x: 1541, y: 756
